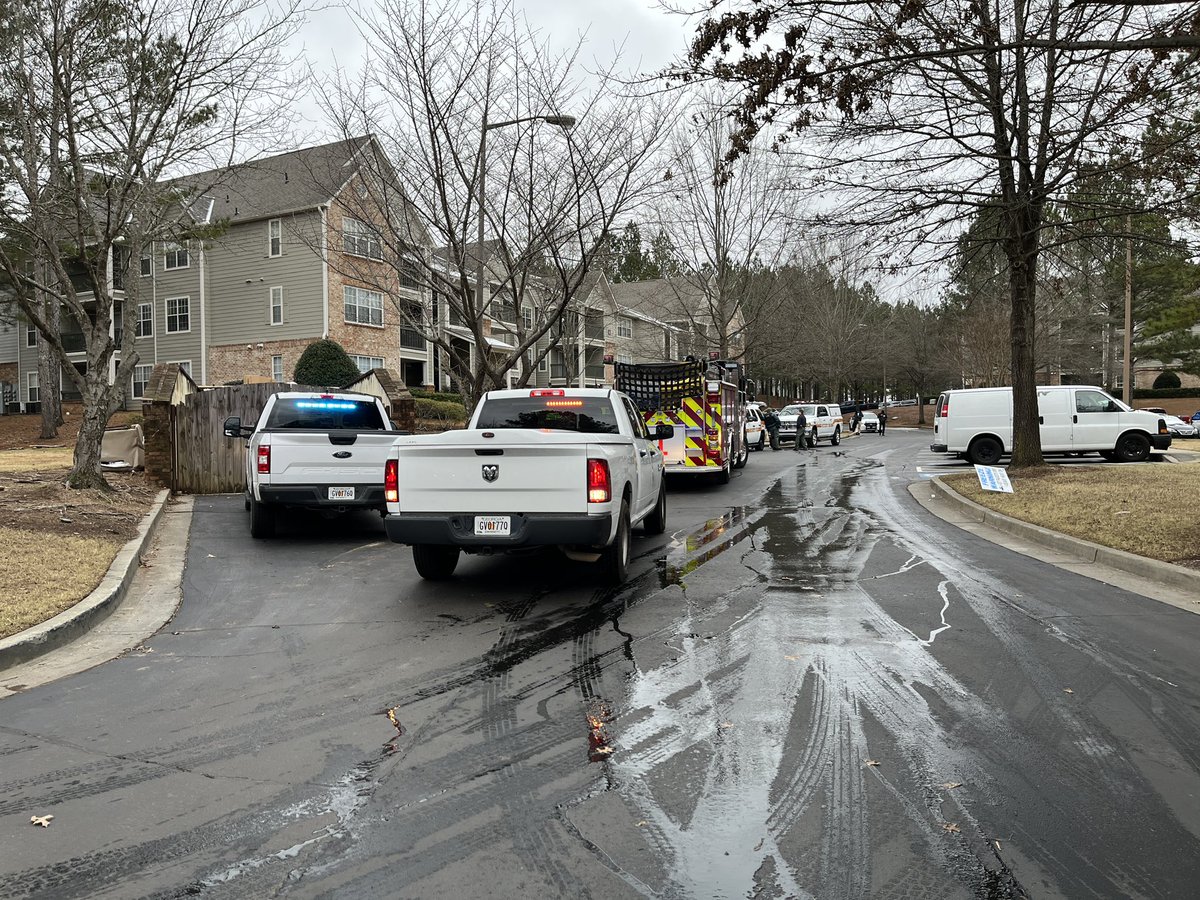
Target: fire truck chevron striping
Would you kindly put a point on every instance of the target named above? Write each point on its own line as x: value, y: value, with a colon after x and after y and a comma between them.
x: 703, y: 405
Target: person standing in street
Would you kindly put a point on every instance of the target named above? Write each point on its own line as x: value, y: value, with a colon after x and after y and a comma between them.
x: 772, y: 422
x: 882, y: 421
x: 801, y: 431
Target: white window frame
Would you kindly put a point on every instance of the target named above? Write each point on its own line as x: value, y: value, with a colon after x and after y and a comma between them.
x: 543, y: 364
x: 31, y: 336
x: 175, y: 252
x: 146, y: 263
x: 33, y: 393
x: 275, y: 237
x: 167, y: 315
x: 277, y: 368
x: 624, y: 327
x: 276, y: 298
x: 361, y: 239
x: 367, y: 363
x: 186, y: 365
x: 146, y: 369
x: 527, y: 318
x: 144, y: 320
x: 354, y: 297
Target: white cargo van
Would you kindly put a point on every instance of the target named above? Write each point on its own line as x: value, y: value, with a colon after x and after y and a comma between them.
x: 977, y: 423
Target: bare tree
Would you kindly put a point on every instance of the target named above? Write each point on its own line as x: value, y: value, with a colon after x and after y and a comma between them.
x: 470, y: 109
x: 101, y: 102
x: 914, y: 116
x: 731, y: 225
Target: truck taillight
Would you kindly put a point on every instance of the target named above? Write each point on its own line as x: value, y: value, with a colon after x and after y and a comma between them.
x: 548, y: 392
x: 264, y: 460
x: 598, y: 481
x: 391, y: 481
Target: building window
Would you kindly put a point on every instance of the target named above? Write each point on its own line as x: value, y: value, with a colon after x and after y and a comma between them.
x: 624, y: 327
x: 361, y: 239
x: 275, y: 237
x: 185, y: 364
x: 30, y: 336
x: 277, y: 368
x: 624, y: 358
x: 277, y: 306
x: 527, y: 318
x: 542, y: 364
x: 176, y: 257
x: 31, y: 387
x: 363, y: 307
x: 141, y: 380
x: 367, y: 363
x: 147, y: 262
x: 178, y: 315
x: 145, y: 321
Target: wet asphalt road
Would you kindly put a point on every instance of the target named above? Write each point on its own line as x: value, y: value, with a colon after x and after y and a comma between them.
x: 810, y: 689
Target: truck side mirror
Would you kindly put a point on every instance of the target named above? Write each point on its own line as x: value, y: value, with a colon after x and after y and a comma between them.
x: 233, y: 427
x: 664, y: 432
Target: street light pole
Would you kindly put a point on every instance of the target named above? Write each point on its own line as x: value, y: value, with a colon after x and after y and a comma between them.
x: 563, y: 122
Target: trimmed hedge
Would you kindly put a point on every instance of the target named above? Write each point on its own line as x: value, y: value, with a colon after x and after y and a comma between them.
x: 1152, y: 393
x: 441, y: 410
x: 443, y: 396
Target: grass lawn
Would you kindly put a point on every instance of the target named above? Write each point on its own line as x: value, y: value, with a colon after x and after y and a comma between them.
x: 1151, y: 509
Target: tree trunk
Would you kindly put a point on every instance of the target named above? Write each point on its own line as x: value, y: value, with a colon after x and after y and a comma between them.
x: 49, y: 393
x: 86, y: 472
x: 1021, y: 247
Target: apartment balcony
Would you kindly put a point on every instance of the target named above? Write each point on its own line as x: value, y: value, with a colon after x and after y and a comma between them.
x: 559, y: 372
x: 411, y: 339
x: 593, y: 330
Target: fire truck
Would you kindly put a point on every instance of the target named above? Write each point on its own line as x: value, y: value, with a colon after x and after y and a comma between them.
x: 706, y: 404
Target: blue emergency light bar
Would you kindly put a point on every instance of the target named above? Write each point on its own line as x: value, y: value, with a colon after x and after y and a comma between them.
x: 342, y: 406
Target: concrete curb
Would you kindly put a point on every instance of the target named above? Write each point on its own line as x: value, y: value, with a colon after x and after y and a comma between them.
x: 95, y: 607
x: 1163, y: 573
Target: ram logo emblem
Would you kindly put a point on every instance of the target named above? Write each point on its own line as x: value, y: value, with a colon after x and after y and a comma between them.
x: 491, y: 473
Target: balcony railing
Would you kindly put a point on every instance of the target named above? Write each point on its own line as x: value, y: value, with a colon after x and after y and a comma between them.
x: 593, y: 372
x: 593, y: 329
x: 411, y: 340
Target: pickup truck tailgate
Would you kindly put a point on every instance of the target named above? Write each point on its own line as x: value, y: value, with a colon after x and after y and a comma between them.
x: 514, y: 472
x: 309, y: 457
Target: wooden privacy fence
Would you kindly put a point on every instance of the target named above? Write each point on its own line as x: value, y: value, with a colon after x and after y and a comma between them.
x: 186, y: 448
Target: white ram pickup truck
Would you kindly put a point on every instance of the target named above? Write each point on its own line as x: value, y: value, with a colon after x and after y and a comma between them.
x: 565, y: 467
x: 322, y: 451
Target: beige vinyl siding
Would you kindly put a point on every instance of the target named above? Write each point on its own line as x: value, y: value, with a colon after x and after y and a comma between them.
x: 241, y: 274
x: 170, y: 284
x: 8, y: 341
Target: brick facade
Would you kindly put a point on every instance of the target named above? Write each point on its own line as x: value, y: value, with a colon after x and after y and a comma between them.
x: 236, y: 362
x: 8, y: 373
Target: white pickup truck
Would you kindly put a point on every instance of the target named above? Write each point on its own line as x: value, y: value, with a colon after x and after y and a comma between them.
x: 572, y: 468
x: 321, y: 451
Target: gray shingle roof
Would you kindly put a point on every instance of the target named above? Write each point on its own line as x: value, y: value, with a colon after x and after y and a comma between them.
x: 262, y: 188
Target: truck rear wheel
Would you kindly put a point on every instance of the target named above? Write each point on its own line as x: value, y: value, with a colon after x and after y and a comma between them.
x: 984, y: 451
x: 262, y: 519
x: 723, y: 475
x: 614, y: 559
x: 435, y: 562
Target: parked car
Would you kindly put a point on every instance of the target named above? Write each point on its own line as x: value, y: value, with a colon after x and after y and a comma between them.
x: 870, y: 422
x: 573, y: 468
x: 756, y: 431
x: 1180, y: 428
x: 976, y: 423
x: 1153, y: 409
x: 824, y: 422
x: 322, y: 451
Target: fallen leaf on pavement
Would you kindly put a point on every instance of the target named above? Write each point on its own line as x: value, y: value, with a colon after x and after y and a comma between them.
x: 640, y: 824
x: 997, y: 843
x: 952, y: 827
x: 44, y: 821
x: 758, y: 846
x: 951, y: 785
x: 1068, y: 691
x: 872, y: 762
x: 726, y: 724
x: 792, y: 658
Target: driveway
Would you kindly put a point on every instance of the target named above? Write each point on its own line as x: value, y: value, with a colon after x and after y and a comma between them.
x: 809, y: 688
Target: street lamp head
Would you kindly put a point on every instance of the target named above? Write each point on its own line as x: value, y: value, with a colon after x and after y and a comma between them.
x: 561, y: 121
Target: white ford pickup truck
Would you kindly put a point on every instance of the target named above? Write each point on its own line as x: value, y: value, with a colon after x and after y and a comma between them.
x: 572, y: 468
x: 321, y: 451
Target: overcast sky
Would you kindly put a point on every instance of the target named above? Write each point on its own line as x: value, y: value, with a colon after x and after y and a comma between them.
x: 648, y: 37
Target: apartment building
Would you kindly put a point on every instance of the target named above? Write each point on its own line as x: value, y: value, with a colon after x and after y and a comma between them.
x: 285, y: 263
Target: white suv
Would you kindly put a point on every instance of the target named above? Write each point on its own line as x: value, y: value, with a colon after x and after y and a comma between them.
x: 823, y: 421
